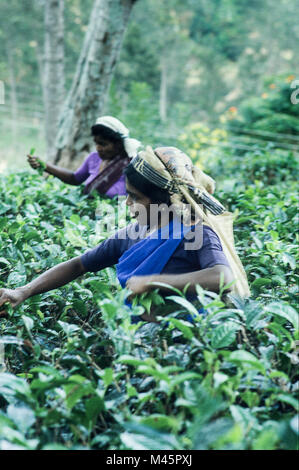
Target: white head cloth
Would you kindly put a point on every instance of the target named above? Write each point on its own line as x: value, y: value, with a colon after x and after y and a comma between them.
x: 131, y: 145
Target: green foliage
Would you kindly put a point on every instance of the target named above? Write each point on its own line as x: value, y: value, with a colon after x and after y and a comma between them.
x: 77, y: 374
x: 215, y: 55
x: 272, y: 111
x: 262, y: 167
x: 140, y: 111
x: 219, y: 23
x: 260, y: 188
x: 200, y: 143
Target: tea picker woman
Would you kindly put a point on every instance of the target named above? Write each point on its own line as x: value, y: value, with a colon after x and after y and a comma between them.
x: 102, y: 170
x: 157, y: 249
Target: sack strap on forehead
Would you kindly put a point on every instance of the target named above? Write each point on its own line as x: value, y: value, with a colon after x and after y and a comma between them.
x: 146, y: 170
x: 174, y: 185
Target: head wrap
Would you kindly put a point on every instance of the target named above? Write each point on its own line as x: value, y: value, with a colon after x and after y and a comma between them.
x: 171, y: 169
x: 131, y: 145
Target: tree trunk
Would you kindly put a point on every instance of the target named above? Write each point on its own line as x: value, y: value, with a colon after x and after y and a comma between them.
x: 90, y: 87
x: 53, y: 76
x: 163, y: 92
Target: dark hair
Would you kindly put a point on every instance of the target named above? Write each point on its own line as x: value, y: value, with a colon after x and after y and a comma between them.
x: 108, y: 134
x: 156, y: 194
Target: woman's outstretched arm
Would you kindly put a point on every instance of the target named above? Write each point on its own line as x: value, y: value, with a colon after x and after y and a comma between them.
x: 55, y: 277
x: 208, y: 278
x: 67, y: 176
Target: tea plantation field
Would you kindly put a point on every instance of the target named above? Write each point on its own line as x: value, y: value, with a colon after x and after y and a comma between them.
x: 76, y: 374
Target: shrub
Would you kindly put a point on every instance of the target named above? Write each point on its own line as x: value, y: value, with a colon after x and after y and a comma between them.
x: 76, y: 373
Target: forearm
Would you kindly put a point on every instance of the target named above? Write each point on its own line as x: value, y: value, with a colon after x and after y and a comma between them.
x: 67, y: 176
x: 55, y: 277
x: 208, y: 279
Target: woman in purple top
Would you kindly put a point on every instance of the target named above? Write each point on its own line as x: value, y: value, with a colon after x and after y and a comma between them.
x: 102, y: 170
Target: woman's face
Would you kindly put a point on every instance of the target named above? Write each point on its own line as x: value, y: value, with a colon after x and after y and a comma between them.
x: 106, y: 149
x: 138, y: 203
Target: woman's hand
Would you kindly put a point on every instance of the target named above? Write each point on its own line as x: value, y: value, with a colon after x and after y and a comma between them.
x: 139, y: 284
x: 35, y: 162
x: 12, y: 296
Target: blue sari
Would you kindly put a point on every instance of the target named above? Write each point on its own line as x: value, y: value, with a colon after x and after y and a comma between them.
x: 150, y: 255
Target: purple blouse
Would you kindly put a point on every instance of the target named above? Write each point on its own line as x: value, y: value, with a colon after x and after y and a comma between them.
x: 90, y: 169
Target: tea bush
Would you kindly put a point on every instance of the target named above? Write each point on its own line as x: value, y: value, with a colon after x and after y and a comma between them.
x: 77, y: 374
x: 273, y: 111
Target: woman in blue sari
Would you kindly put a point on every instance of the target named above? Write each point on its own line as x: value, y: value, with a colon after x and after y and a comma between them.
x: 168, y: 243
